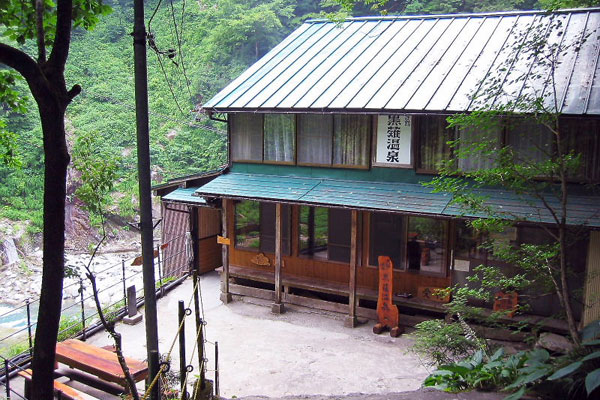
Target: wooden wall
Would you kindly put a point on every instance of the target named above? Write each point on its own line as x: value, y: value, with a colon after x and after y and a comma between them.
x: 330, y: 271
x: 209, y: 252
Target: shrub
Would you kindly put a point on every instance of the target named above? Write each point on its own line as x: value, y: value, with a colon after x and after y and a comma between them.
x: 441, y: 342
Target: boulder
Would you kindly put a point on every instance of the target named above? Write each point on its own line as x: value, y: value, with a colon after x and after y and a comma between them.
x: 554, y: 343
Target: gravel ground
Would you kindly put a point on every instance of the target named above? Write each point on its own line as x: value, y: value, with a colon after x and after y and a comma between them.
x: 301, y: 354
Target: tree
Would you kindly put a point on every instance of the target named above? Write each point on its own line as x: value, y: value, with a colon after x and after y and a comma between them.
x: 50, y: 25
x: 538, y: 175
x: 393, y: 7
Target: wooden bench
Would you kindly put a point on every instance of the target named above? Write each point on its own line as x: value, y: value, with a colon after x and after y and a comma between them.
x: 61, y: 390
x: 98, y: 362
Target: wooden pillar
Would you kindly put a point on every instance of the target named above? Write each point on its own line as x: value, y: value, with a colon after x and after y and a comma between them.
x: 351, y: 320
x: 591, y: 308
x: 225, y: 295
x: 277, y: 307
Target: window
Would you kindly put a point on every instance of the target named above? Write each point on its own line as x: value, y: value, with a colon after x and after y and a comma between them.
x: 387, y: 237
x: 477, y: 148
x: 314, y: 224
x: 279, y: 137
x: 268, y: 227
x: 426, y: 243
x: 468, y: 242
x: 433, y: 136
x: 315, y: 134
x: 246, y: 137
x: 583, y: 138
x: 325, y: 233
x: 531, y: 142
x: 351, y: 137
x: 247, y: 225
x: 255, y: 226
x: 413, y: 243
x: 322, y: 140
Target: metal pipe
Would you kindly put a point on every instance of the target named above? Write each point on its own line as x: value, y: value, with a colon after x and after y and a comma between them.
x: 124, y: 283
x: 182, y: 359
x: 145, y: 189
x: 7, y: 379
x: 29, y: 328
x: 160, y: 276
x: 217, y: 394
x: 83, y: 333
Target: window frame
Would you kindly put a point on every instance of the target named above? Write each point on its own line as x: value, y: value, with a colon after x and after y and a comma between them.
x: 262, y: 139
x: 295, y: 140
x: 320, y: 258
x: 446, y: 243
x: 260, y: 249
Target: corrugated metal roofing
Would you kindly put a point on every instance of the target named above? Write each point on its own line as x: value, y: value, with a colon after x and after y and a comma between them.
x: 422, y: 64
x: 185, y: 195
x: 387, y: 196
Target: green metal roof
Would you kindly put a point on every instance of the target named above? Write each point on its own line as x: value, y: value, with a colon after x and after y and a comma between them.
x: 185, y: 195
x: 387, y: 196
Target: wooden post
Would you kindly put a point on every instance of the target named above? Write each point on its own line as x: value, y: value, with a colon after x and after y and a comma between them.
x: 225, y: 295
x: 277, y: 307
x: 351, y: 321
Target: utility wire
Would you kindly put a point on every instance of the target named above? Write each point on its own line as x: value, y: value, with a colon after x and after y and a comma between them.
x: 178, y: 37
x: 168, y: 83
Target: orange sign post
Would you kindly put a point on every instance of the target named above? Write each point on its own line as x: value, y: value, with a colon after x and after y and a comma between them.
x: 387, y: 312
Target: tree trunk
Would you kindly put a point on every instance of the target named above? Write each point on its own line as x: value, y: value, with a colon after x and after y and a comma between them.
x: 52, y: 113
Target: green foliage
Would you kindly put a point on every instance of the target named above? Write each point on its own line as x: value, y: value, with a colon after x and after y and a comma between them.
x: 478, y: 372
x: 442, y: 343
x: 98, y: 169
x: 573, y: 376
x: 19, y: 18
x: 69, y: 327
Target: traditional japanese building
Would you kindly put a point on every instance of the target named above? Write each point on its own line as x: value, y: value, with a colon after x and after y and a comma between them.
x: 332, y: 133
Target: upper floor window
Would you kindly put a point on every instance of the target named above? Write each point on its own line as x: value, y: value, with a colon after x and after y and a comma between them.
x: 351, y: 137
x: 280, y: 138
x: 433, y: 146
x: 246, y: 129
x: 531, y: 143
x: 315, y: 139
x: 321, y: 140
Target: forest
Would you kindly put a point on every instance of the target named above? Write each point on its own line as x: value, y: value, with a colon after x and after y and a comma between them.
x: 194, y: 50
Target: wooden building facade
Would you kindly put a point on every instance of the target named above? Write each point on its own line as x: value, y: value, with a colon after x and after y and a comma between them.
x: 333, y: 133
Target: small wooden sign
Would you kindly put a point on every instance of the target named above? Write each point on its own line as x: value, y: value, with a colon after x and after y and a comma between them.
x: 261, y: 260
x: 139, y: 260
x: 433, y: 293
x: 387, y: 312
x: 507, y: 302
x: 223, y: 240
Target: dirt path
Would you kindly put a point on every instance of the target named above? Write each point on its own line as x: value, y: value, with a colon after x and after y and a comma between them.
x: 299, y: 353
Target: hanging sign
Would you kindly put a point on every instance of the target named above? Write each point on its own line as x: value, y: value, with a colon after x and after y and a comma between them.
x: 393, y: 139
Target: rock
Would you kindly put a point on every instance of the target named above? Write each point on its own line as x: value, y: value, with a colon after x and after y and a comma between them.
x: 171, y: 134
x: 554, y: 343
x: 10, y: 251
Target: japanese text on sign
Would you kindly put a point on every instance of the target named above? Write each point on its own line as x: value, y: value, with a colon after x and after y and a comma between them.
x: 394, y: 139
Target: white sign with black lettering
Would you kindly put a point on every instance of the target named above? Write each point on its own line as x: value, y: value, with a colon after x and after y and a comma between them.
x: 393, y: 139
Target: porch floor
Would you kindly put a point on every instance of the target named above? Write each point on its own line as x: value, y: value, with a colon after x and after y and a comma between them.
x: 412, y: 304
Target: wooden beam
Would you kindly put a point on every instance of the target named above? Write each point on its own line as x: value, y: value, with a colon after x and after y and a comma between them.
x: 351, y: 321
x: 225, y: 295
x: 277, y: 307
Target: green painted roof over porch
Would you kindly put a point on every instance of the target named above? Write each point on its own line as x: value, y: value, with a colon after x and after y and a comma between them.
x: 399, y: 197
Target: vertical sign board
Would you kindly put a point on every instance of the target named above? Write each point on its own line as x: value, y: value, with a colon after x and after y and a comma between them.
x: 393, y: 140
x: 387, y: 311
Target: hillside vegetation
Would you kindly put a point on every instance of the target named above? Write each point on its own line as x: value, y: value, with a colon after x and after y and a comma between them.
x: 197, y: 48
